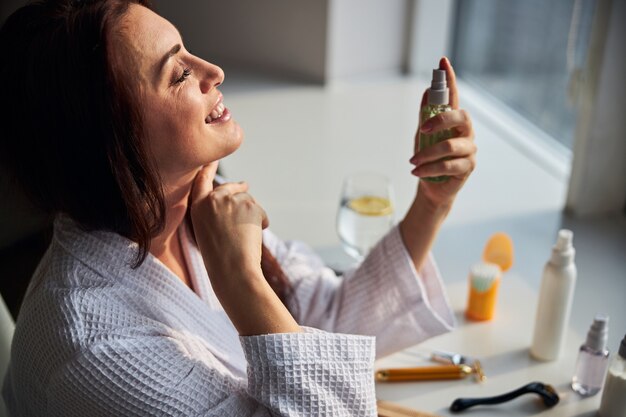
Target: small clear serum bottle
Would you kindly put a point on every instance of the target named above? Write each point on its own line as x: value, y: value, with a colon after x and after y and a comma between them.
x: 438, y: 102
x: 593, y: 359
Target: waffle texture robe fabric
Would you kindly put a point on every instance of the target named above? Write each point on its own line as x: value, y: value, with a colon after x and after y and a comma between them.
x: 95, y: 337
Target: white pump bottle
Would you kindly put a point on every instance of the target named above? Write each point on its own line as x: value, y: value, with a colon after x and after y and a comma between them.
x: 555, y: 300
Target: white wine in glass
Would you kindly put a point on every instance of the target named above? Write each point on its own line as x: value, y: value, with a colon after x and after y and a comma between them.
x: 366, y: 213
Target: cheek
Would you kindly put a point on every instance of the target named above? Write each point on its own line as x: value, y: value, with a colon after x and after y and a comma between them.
x: 180, y: 140
x: 168, y: 122
x: 165, y: 138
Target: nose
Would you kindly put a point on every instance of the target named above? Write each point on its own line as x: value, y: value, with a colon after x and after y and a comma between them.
x: 212, y: 77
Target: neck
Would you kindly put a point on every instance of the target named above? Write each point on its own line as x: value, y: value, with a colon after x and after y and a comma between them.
x: 176, y: 202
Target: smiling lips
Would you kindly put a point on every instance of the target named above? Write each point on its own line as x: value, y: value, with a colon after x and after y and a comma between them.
x: 219, y: 113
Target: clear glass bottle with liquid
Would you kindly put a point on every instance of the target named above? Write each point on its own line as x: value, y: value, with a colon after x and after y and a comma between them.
x: 438, y: 102
x: 593, y: 359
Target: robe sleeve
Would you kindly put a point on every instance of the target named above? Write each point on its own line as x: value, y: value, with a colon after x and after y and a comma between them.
x: 289, y: 374
x: 384, y: 297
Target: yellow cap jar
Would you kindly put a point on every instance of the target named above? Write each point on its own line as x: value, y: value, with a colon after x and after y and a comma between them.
x: 484, y: 278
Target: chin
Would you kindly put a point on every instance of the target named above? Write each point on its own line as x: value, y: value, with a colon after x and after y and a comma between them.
x: 228, y: 147
x: 236, y: 139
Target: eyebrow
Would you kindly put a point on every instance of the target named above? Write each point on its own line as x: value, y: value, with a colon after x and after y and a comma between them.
x: 167, y: 57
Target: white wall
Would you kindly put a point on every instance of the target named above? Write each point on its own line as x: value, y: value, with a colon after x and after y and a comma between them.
x: 309, y: 40
x: 284, y: 37
x: 431, y: 35
x: 299, y: 39
x: 366, y: 37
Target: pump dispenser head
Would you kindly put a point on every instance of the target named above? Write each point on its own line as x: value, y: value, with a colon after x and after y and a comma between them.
x: 564, y: 241
x: 598, y: 333
x: 563, y: 251
x: 438, y: 93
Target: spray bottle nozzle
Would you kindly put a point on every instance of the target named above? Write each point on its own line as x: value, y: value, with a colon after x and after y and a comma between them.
x: 439, y: 80
x: 438, y: 92
x: 598, y: 332
x: 564, y: 241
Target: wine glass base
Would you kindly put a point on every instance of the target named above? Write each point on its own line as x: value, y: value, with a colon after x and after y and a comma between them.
x: 336, y: 258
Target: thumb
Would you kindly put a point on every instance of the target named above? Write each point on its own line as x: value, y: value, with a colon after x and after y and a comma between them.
x: 265, y: 222
x: 203, y: 183
x: 424, y: 98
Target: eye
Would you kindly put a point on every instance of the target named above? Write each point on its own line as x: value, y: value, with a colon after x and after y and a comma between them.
x: 186, y: 73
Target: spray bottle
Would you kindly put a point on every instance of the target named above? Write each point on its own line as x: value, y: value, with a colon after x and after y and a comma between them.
x: 593, y: 359
x: 555, y: 299
x: 438, y: 102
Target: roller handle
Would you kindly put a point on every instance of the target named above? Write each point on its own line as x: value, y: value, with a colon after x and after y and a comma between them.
x: 461, y: 404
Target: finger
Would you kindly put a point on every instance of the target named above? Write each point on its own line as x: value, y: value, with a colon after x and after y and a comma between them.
x: 422, y: 104
x: 241, y: 197
x: 444, y: 64
x: 203, y: 182
x: 458, y: 167
x: 458, y: 119
x: 230, y: 188
x: 265, y: 222
x: 424, y: 99
x: 451, y: 148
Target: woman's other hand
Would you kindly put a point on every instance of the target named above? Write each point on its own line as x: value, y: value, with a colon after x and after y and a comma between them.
x: 228, y: 224
x: 454, y: 157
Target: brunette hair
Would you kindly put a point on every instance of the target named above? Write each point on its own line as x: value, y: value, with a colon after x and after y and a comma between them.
x: 72, y: 134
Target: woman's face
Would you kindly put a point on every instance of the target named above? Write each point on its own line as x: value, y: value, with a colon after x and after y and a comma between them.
x: 185, y: 120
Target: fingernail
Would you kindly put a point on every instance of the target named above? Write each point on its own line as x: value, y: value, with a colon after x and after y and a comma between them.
x: 427, y: 127
x: 413, y: 160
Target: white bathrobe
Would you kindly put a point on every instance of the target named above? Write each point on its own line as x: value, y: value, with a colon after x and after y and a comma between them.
x: 95, y: 337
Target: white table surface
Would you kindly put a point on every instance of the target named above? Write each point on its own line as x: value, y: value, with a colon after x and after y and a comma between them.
x: 502, y: 345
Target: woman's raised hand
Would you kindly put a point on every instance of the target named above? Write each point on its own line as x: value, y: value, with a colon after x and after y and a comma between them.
x: 455, y: 157
x: 228, y: 224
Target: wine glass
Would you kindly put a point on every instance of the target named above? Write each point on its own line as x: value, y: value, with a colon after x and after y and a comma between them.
x: 366, y: 212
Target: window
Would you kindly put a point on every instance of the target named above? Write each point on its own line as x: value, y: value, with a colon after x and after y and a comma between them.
x: 527, y: 54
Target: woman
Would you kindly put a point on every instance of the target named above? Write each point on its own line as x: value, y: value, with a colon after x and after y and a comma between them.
x: 160, y: 293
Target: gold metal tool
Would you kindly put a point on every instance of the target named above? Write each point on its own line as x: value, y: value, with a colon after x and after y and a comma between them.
x: 423, y: 373
x: 478, y: 370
